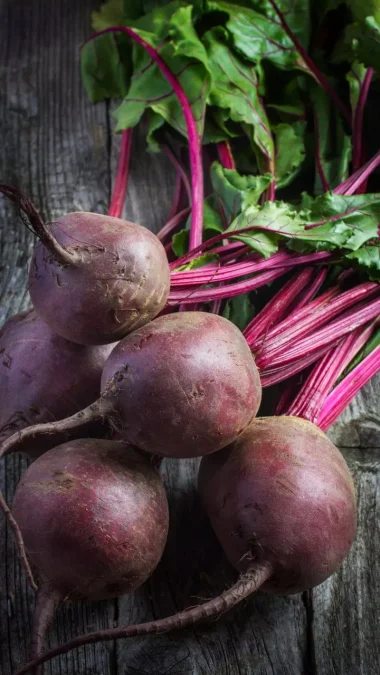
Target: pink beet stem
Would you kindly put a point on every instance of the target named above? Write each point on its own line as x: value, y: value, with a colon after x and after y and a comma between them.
x: 328, y: 335
x: 347, y: 389
x: 270, y: 376
x: 172, y: 224
x: 319, y: 76
x: 229, y: 291
x: 294, y: 317
x: 302, y: 329
x: 214, y: 272
x: 357, y: 135
x: 195, y: 148
x: 225, y: 155
x: 231, y: 251
x: 121, y: 181
x: 309, y: 292
x: 191, y: 255
x: 310, y: 399
x: 351, y: 185
x: 275, y: 309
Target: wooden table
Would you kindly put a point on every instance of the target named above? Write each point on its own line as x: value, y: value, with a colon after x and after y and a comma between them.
x: 60, y: 149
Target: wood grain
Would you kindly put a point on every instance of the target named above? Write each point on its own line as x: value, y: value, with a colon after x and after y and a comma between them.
x: 60, y: 150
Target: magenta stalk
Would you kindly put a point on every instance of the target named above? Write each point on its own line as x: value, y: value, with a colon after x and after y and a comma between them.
x: 229, y: 291
x: 357, y: 154
x: 352, y: 184
x: 347, y: 389
x: 172, y: 224
x: 121, y: 181
x: 225, y: 155
x: 310, y: 399
x: 179, y: 169
x: 326, y: 336
x: 298, y: 333
x: 275, y: 309
x: 195, y: 148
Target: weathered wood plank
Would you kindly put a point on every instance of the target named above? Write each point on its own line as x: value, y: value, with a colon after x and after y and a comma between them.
x: 54, y: 144
x: 346, y: 607
x: 359, y: 425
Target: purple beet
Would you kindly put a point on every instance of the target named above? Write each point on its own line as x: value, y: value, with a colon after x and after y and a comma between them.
x: 94, y: 278
x: 282, y: 503
x: 43, y: 376
x: 94, y: 518
x: 281, y: 496
x: 182, y: 386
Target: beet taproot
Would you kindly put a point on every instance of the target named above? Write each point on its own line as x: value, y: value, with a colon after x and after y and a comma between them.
x: 282, y: 503
x: 93, y: 514
x: 281, y: 496
x: 94, y: 278
x: 183, y: 385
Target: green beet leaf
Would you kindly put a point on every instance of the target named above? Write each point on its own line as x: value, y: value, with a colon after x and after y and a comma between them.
x: 236, y: 191
x: 258, y: 34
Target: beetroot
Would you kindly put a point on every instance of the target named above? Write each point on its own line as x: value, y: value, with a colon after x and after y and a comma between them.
x: 184, y: 385
x: 281, y: 496
x: 282, y: 503
x: 43, y: 376
x: 94, y: 518
x: 94, y: 278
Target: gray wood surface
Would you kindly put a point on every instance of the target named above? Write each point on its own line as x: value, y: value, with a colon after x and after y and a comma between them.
x: 60, y: 150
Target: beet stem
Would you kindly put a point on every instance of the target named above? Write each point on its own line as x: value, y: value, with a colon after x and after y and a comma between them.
x: 195, y: 147
x: 270, y: 376
x: 186, y: 296
x: 357, y: 154
x: 275, y: 309
x: 226, y: 157
x: 327, y: 335
x: 121, y: 181
x: 310, y: 399
x: 318, y: 161
x: 350, y: 186
x: 180, y: 170
x: 244, y: 587
x: 347, y: 389
x: 175, y: 207
x: 300, y: 312
x: 172, y: 224
x: 300, y: 332
x: 39, y: 228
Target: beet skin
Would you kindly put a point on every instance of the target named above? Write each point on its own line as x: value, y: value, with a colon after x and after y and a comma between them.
x: 94, y: 518
x: 43, y: 376
x: 108, y: 277
x: 185, y: 385
x: 281, y: 496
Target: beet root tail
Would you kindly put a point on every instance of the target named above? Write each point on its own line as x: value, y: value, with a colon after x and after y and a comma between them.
x: 244, y: 587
